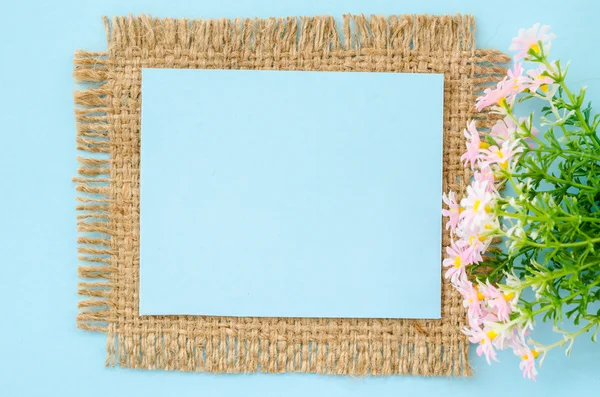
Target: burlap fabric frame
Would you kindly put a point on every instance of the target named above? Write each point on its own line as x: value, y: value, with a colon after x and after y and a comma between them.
x: 108, y: 134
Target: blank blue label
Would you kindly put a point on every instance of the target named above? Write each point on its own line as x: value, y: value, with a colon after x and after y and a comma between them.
x: 291, y: 194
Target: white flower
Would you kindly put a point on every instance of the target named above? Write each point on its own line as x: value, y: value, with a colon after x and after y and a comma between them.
x: 513, y: 203
x: 477, y: 205
x: 512, y: 284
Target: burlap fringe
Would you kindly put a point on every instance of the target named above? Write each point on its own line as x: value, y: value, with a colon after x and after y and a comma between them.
x: 244, y: 351
x: 320, y: 34
x: 92, y: 183
x: 237, y: 350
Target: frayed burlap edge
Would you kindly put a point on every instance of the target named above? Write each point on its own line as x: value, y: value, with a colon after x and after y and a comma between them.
x: 109, y: 250
x: 93, y: 201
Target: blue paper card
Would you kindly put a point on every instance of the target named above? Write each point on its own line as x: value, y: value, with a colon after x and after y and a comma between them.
x: 291, y: 194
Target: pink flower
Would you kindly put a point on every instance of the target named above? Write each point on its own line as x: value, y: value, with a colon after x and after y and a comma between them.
x: 539, y: 81
x: 499, y: 96
x: 502, y: 155
x: 527, y: 364
x: 476, y: 205
x: 472, y: 299
x: 503, y: 130
x: 473, y: 145
x: 528, y: 356
x: 474, y: 246
x: 484, y: 337
x: 455, y: 262
x: 517, y: 81
x: 527, y: 42
x: 506, y: 129
x: 499, y: 302
x: 485, y: 174
x: 452, y: 212
x: 473, y: 233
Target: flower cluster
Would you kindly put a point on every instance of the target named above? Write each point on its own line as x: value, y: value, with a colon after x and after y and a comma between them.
x: 473, y: 225
x: 498, y: 318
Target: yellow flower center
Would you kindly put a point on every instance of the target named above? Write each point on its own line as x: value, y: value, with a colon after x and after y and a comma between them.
x: 502, y: 102
x: 535, y: 48
x: 484, y: 145
x: 534, y: 353
x: 457, y: 262
x: 479, y: 294
x: 544, y: 87
x: 491, y: 334
x: 475, y: 239
x: 488, y: 226
x: 476, y: 205
x: 509, y: 296
x: 503, y: 164
x: 488, y: 208
x: 516, y: 83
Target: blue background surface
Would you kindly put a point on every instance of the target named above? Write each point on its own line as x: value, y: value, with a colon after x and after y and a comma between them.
x: 261, y: 198
x: 41, y: 351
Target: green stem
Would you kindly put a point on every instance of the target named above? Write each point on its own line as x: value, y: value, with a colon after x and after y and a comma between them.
x: 546, y: 279
x: 559, y: 245
x: 581, y: 292
x: 553, y: 275
x: 563, y: 152
x: 572, y: 336
x: 546, y: 219
x: 528, y: 133
x: 578, y: 112
x: 559, y: 180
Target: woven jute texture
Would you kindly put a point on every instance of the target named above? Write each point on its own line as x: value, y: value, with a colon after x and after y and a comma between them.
x: 108, y: 125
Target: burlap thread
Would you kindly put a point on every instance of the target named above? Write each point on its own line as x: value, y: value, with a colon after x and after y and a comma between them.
x: 108, y: 134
